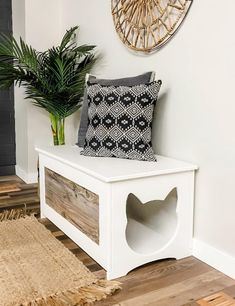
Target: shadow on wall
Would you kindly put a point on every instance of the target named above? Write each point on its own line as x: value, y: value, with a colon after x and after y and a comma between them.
x: 158, y: 128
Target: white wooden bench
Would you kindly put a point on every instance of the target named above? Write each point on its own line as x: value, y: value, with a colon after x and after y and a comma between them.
x: 106, y: 206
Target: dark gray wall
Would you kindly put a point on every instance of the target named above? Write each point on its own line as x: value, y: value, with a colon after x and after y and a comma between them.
x: 7, y: 122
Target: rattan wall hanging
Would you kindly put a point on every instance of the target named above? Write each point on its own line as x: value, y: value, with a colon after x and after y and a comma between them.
x: 146, y: 25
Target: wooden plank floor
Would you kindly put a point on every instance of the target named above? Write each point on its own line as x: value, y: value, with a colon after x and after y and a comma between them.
x: 22, y: 197
x: 162, y: 283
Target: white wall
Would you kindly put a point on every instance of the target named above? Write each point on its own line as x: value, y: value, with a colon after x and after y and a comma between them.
x: 21, y: 122
x: 42, y: 21
x: 195, y: 113
x: 43, y: 30
x: 39, y: 23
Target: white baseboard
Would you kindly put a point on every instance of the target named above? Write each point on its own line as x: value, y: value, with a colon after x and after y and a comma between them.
x: 215, y: 258
x: 28, y: 178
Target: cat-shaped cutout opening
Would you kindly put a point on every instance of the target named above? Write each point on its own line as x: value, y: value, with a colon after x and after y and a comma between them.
x: 151, y: 225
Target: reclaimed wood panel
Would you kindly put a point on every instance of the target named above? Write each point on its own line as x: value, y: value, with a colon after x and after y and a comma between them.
x: 73, y: 202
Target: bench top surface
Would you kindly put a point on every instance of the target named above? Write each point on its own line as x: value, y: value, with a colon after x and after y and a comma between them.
x: 114, y: 169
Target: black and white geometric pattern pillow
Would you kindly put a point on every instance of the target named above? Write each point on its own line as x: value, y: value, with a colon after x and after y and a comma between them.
x: 120, y: 121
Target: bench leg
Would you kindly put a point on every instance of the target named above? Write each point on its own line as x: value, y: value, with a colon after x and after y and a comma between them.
x: 42, y: 215
x: 112, y: 274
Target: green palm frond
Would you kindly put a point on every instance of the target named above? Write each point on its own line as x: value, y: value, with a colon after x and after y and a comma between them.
x: 66, y: 41
x: 53, y: 79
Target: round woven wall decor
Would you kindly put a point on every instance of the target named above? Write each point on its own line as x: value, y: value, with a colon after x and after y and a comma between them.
x: 146, y: 25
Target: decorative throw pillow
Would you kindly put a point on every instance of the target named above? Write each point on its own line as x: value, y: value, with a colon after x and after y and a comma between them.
x: 130, y: 81
x: 120, y: 121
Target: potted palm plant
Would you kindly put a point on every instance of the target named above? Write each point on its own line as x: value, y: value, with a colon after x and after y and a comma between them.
x: 53, y: 79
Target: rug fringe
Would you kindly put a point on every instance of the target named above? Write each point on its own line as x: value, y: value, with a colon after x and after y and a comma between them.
x: 16, y: 213
x: 84, y: 296
x: 12, y: 214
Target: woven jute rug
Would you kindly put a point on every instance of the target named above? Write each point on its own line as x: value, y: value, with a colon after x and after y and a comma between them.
x: 37, y: 270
